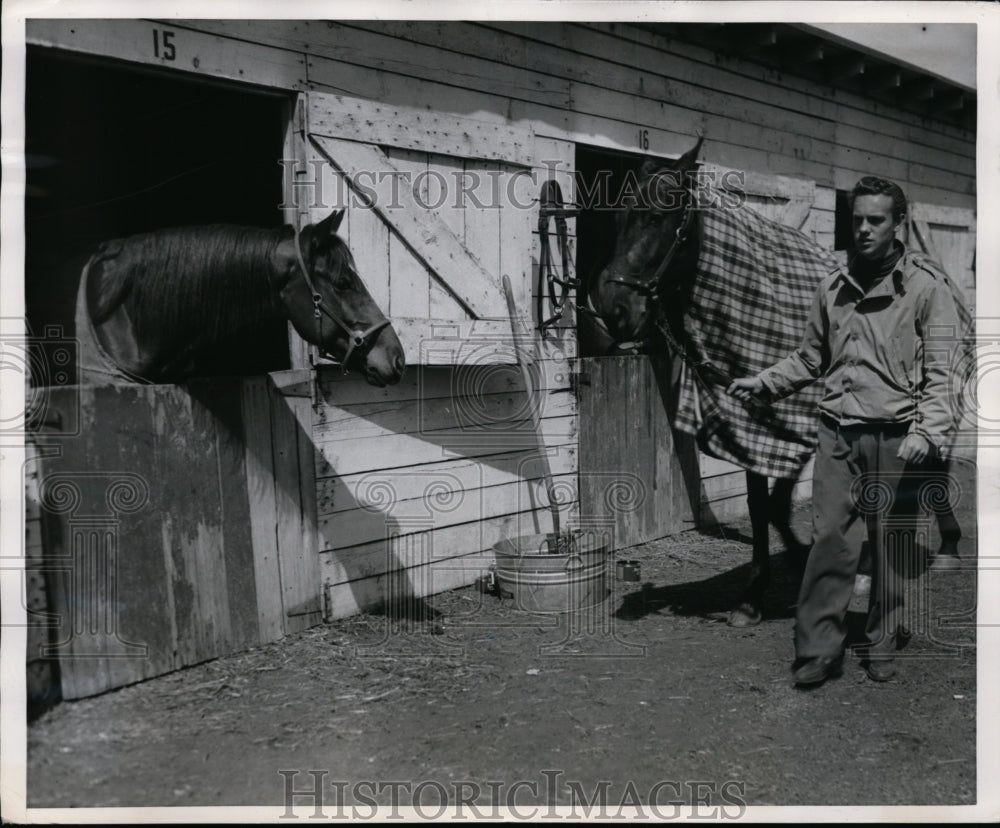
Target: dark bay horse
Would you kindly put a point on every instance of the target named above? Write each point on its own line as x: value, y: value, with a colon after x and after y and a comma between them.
x: 683, y: 266
x: 150, y: 305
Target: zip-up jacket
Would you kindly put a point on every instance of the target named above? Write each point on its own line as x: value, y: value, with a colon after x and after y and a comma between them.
x: 870, y: 348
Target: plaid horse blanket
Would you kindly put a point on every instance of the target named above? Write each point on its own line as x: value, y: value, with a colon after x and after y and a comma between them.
x: 747, y: 309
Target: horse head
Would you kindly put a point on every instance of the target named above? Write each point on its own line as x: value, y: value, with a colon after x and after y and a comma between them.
x: 651, y: 234
x: 330, y: 306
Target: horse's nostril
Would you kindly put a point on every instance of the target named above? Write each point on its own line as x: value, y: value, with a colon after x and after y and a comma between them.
x: 399, y: 363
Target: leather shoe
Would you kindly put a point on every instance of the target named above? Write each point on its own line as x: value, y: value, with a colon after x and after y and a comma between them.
x: 880, y: 669
x: 817, y: 670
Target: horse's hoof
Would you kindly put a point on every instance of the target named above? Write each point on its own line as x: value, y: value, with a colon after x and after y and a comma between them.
x: 745, y: 615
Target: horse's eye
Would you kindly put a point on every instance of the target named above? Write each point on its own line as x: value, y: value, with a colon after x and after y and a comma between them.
x: 343, y: 280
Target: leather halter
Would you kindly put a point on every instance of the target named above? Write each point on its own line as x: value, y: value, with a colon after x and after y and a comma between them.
x: 651, y: 288
x: 355, y: 337
x: 704, y: 371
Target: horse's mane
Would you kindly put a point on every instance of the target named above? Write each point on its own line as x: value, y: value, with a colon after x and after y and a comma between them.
x: 189, y: 285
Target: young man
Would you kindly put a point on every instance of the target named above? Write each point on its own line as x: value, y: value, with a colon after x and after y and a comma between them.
x: 885, y: 411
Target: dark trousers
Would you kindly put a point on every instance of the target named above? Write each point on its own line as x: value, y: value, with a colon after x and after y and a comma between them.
x: 857, y: 477
x: 951, y: 532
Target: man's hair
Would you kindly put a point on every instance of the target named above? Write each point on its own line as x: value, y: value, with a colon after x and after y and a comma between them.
x: 870, y: 185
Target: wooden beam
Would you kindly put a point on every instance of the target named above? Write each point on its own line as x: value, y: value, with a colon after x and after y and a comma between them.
x: 415, y: 128
x: 920, y: 89
x: 138, y: 41
x: 883, y: 80
x: 848, y: 67
x: 752, y: 40
x: 810, y: 51
x: 950, y: 101
x: 763, y: 38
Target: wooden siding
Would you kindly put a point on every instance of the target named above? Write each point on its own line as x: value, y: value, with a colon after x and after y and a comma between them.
x: 591, y: 83
x: 421, y: 479
x: 182, y: 527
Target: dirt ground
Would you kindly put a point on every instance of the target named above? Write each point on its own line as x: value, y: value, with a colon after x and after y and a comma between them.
x: 653, y: 694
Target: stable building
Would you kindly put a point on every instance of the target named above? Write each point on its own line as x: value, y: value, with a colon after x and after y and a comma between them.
x: 224, y: 513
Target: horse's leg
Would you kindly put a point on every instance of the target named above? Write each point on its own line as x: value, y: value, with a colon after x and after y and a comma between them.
x: 749, y: 612
x: 780, y: 507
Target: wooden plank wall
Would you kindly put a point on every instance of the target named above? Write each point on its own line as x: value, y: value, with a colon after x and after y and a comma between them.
x: 458, y: 424
x: 416, y: 481
x: 180, y: 528
x: 42, y: 680
x: 597, y: 83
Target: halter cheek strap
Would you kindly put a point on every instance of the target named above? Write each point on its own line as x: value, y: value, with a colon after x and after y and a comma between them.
x: 356, y: 337
x: 651, y: 288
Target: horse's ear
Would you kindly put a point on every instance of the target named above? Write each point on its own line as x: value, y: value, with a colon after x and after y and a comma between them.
x: 329, y: 225
x: 689, y: 159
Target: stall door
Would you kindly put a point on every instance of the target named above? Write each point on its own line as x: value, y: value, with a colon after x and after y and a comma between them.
x: 947, y: 235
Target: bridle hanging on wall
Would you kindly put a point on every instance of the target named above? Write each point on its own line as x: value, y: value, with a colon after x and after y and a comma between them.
x: 553, y: 287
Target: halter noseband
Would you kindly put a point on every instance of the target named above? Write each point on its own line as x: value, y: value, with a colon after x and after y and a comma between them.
x: 355, y: 337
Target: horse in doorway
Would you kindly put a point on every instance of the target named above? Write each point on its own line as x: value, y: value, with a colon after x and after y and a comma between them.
x: 729, y: 292
x: 150, y: 307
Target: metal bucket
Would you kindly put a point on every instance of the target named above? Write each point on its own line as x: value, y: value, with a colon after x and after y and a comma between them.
x: 629, y: 571
x: 540, y: 581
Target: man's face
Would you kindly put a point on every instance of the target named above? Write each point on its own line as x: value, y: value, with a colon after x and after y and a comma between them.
x: 873, y: 225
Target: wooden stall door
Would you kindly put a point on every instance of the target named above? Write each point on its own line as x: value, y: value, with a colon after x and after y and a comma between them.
x: 439, y: 207
x: 634, y: 472
x: 947, y: 235
x: 180, y: 527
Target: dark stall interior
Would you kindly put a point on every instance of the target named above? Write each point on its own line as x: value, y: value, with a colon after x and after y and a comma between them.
x: 112, y: 151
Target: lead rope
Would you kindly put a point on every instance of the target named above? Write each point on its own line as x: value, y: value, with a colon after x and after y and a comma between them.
x: 355, y: 337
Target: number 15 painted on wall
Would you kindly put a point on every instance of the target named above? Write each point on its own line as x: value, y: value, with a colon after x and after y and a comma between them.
x: 163, y: 44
